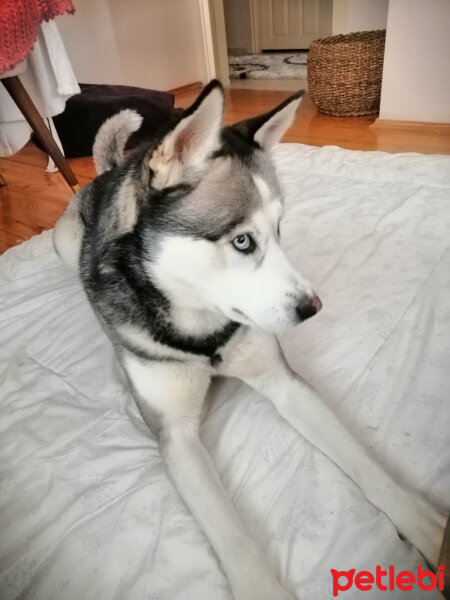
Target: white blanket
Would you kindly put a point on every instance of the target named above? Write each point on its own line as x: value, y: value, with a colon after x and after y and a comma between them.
x: 86, y: 509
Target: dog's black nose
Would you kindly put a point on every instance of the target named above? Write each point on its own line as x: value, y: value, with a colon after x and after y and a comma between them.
x: 308, y: 307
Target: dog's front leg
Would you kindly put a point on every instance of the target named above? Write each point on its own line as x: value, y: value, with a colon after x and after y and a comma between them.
x: 170, y: 397
x: 257, y: 359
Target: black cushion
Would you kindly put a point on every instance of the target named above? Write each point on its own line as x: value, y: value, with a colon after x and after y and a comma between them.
x: 85, y: 112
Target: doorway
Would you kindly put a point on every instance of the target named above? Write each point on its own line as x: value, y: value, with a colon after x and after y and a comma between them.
x: 267, y: 40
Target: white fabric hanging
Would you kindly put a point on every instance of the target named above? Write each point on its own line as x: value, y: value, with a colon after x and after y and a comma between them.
x: 49, y: 80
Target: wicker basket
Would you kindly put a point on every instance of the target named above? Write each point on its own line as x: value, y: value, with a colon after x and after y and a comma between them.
x: 344, y: 73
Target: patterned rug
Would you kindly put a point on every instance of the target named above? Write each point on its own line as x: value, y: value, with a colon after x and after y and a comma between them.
x: 278, y: 65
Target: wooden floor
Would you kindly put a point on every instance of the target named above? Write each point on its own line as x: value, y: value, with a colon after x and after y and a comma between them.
x: 33, y: 200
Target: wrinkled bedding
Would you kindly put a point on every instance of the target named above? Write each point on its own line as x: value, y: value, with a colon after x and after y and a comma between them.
x: 86, y: 509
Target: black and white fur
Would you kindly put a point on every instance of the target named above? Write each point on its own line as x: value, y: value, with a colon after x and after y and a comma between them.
x: 178, y: 250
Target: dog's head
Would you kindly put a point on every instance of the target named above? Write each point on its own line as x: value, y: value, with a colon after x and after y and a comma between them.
x: 212, y: 221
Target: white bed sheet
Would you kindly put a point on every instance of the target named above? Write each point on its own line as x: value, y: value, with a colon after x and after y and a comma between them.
x: 86, y: 509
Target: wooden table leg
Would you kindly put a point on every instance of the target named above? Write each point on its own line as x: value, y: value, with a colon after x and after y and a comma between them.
x: 20, y: 96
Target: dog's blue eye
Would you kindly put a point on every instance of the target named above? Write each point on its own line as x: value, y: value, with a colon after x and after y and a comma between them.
x: 244, y: 243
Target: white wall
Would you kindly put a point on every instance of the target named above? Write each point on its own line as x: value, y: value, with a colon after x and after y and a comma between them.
x: 147, y: 43
x: 359, y: 15
x: 364, y: 15
x: 416, y: 73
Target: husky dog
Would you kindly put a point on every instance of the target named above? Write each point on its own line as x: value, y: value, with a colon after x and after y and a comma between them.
x: 178, y: 249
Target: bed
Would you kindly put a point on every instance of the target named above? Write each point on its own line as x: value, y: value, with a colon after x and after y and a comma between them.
x: 86, y: 509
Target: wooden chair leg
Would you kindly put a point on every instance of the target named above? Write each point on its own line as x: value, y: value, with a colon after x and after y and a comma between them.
x: 20, y: 96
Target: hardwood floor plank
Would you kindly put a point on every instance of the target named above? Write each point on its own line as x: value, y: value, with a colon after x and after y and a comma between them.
x: 31, y: 155
x: 32, y: 201
x: 10, y: 238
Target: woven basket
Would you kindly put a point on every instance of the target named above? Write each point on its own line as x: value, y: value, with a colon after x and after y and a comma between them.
x: 344, y: 73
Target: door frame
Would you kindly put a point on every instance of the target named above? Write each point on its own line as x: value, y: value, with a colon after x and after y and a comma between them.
x: 255, y: 26
x: 206, y: 25
x: 341, y: 9
x: 212, y: 22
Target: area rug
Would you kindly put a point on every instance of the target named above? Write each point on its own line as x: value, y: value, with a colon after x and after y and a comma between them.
x: 278, y: 65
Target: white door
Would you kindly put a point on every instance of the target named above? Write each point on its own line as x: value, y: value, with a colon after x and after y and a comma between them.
x: 293, y: 24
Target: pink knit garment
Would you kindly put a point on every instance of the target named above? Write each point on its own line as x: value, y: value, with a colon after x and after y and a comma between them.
x: 19, y: 22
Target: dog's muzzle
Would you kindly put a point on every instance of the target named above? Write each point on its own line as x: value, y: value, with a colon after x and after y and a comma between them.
x: 308, y: 307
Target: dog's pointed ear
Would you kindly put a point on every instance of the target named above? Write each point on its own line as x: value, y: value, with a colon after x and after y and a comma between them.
x: 267, y: 129
x: 187, y: 147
